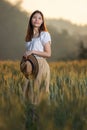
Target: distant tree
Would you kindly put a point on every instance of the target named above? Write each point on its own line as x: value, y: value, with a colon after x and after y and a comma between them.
x: 82, y: 51
x: 65, y: 33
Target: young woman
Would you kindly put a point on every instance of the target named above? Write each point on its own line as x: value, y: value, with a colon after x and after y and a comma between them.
x: 38, y: 43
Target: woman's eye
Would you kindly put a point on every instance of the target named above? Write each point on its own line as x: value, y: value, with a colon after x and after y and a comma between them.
x: 40, y: 18
x: 34, y: 17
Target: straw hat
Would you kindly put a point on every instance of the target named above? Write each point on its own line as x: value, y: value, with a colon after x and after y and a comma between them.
x: 29, y: 67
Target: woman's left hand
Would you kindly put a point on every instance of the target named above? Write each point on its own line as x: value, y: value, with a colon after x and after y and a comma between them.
x: 27, y: 53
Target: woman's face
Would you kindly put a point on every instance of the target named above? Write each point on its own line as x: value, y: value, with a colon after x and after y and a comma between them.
x: 37, y: 20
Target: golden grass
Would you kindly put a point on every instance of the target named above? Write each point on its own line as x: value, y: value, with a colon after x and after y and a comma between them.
x: 68, y: 86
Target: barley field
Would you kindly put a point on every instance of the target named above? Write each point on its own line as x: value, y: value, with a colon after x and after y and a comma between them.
x: 66, y: 108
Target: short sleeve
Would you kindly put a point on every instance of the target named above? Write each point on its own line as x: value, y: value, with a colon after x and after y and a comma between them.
x: 45, y: 37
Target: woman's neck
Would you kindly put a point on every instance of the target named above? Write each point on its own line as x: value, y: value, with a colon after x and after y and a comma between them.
x: 35, y: 32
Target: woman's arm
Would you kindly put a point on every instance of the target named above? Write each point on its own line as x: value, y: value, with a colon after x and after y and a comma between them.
x: 46, y: 53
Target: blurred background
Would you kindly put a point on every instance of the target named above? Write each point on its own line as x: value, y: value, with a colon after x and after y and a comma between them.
x: 66, y: 22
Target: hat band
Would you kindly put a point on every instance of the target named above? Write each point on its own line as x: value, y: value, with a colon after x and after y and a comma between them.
x: 31, y: 63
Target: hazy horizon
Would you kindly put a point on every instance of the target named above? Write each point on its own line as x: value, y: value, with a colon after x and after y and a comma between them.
x: 71, y: 10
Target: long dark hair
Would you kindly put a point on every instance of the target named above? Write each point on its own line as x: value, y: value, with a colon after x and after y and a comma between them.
x: 29, y: 34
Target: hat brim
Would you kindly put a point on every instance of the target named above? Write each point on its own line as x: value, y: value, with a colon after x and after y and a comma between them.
x: 33, y: 63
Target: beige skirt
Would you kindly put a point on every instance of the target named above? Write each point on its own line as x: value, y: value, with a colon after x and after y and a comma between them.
x: 38, y: 88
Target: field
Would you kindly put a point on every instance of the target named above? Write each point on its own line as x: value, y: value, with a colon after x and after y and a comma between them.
x: 67, y: 107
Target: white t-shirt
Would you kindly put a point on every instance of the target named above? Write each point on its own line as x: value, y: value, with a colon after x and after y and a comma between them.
x: 38, y: 43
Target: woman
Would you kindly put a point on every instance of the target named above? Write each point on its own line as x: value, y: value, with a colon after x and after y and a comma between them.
x: 38, y: 43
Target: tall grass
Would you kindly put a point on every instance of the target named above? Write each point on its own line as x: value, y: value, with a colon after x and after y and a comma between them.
x: 66, y: 108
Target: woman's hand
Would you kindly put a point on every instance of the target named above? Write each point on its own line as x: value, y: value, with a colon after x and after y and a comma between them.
x: 27, y: 53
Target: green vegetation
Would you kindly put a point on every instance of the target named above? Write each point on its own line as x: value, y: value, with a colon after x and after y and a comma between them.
x: 66, y: 108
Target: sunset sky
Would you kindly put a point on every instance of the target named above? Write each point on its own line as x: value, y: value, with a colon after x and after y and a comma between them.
x: 73, y: 10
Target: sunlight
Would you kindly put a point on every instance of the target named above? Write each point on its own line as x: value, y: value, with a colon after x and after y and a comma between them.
x: 12, y: 1
x: 73, y: 10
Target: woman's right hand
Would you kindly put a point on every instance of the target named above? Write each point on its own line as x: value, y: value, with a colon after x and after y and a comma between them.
x: 25, y: 55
